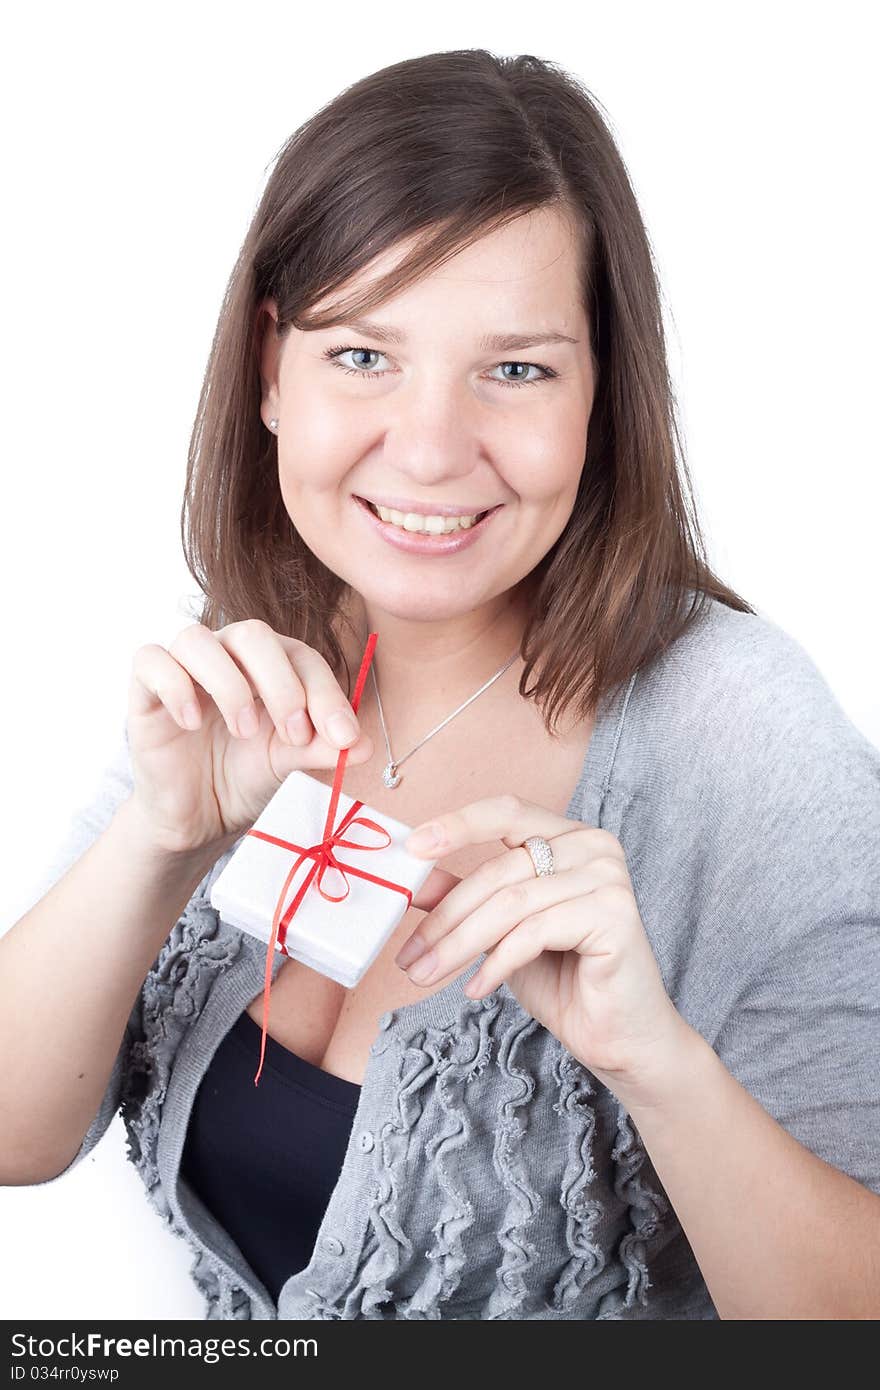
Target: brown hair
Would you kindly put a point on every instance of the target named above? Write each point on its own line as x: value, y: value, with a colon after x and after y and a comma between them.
x: 439, y: 150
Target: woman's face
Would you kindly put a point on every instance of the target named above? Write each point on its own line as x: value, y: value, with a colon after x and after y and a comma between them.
x: 426, y: 414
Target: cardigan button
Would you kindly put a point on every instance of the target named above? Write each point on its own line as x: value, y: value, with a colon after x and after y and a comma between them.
x: 365, y: 1141
x: 333, y: 1246
x: 386, y: 1020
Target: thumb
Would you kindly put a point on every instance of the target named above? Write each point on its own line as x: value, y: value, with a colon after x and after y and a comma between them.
x: 434, y: 889
x: 324, y: 756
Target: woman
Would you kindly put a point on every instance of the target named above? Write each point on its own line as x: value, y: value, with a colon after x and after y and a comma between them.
x: 615, y: 1062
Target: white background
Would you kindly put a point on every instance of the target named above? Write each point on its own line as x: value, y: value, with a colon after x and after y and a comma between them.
x: 136, y: 143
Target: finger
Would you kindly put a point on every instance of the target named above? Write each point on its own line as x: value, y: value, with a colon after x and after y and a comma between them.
x: 158, y: 680
x: 482, y: 929
x: 507, y: 818
x: 556, y: 928
x: 200, y: 652
x: 602, y: 922
x: 246, y: 661
x: 510, y: 867
x: 325, y: 699
x: 434, y: 889
x: 265, y: 662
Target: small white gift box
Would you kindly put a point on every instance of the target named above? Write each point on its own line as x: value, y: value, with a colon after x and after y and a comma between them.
x: 339, y: 939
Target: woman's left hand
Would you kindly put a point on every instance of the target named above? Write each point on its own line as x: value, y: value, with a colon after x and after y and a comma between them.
x: 570, y: 945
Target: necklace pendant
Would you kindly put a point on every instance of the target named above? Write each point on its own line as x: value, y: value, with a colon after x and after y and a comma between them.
x: 390, y: 776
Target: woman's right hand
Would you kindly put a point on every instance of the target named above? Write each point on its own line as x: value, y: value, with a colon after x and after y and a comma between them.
x: 201, y: 783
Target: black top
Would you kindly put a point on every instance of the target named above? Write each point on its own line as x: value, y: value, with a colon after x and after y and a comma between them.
x: 265, y: 1159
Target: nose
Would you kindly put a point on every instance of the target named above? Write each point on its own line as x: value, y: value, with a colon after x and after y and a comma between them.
x: 432, y: 434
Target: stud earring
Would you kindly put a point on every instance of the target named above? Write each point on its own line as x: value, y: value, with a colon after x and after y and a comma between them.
x: 273, y: 424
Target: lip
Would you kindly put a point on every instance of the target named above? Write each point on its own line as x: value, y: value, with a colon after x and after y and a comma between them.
x: 427, y: 545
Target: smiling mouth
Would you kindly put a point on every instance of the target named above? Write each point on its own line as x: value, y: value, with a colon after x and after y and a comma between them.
x: 452, y: 525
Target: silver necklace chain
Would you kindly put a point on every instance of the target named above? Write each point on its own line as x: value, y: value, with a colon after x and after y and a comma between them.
x: 390, y: 775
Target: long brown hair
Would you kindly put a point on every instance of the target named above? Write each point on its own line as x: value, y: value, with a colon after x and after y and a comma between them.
x: 438, y: 150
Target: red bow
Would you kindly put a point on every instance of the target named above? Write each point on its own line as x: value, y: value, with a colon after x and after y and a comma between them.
x: 323, y: 856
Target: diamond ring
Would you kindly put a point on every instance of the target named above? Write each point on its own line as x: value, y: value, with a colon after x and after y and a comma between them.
x: 540, y: 854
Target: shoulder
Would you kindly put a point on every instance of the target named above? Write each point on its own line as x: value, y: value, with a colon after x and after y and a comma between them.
x: 737, y: 707
x: 748, y: 806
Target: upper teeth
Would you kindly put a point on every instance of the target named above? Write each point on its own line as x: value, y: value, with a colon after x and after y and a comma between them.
x: 435, y: 525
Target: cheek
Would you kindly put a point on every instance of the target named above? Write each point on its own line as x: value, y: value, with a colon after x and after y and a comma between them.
x: 315, y: 456
x: 549, y: 460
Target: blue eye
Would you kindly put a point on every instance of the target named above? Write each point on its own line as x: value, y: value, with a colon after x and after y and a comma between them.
x: 534, y: 381
x: 332, y: 354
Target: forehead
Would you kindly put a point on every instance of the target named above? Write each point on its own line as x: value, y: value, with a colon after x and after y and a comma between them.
x: 531, y: 265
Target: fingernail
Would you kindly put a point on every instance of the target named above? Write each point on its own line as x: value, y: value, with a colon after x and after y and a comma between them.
x: 342, y: 727
x: 423, y: 968
x: 426, y: 837
x: 410, y: 952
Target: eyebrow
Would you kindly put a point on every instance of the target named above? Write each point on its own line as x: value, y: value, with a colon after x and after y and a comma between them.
x: 494, y: 342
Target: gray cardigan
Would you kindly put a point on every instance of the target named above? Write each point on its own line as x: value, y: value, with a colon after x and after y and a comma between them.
x: 488, y: 1173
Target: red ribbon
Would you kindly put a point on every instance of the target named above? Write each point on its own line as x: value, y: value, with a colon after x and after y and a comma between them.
x: 323, y: 856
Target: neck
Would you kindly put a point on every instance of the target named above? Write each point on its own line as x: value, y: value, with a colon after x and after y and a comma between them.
x: 424, y: 667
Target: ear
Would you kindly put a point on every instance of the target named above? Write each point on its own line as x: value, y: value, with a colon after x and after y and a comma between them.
x: 267, y: 350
